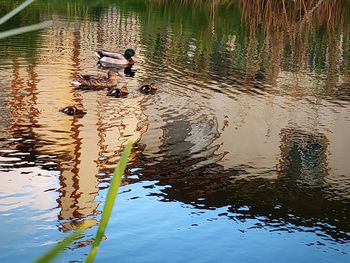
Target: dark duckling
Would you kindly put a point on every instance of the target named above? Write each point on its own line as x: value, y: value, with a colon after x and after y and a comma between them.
x: 73, y: 111
x: 149, y: 88
x: 128, y: 72
x: 118, y: 92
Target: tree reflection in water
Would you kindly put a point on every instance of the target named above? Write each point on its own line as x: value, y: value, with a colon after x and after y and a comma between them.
x: 250, y: 114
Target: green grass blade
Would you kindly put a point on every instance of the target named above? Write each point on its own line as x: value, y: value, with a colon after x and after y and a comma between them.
x: 15, y: 11
x: 51, y: 254
x: 25, y: 29
x: 111, y: 195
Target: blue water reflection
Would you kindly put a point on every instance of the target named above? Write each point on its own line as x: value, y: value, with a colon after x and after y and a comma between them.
x: 240, y: 156
x: 173, y: 232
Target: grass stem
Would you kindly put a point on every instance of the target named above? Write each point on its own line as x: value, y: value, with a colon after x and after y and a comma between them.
x: 15, y: 11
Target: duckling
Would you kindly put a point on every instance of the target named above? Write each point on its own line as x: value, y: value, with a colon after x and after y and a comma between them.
x: 73, y: 111
x: 149, y: 88
x: 92, y: 82
x: 128, y: 72
x: 116, y: 92
x: 107, y: 58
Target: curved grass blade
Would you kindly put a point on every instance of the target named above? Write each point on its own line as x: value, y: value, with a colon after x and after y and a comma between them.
x: 53, y: 253
x: 107, y: 210
x: 25, y: 29
x: 15, y: 11
x: 111, y: 195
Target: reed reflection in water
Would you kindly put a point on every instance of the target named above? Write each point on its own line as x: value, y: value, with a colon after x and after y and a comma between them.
x: 249, y: 127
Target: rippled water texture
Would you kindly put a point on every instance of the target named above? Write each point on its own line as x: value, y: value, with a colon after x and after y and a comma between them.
x: 240, y: 156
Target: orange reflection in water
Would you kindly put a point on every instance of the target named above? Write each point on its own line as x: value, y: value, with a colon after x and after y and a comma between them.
x: 83, y: 147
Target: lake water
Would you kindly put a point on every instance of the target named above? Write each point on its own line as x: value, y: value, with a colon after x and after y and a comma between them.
x: 240, y: 156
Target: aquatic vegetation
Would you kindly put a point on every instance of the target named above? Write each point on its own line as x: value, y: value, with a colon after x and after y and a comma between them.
x: 21, y: 30
x: 111, y: 196
x: 107, y: 210
x: 281, y: 31
x: 297, y: 36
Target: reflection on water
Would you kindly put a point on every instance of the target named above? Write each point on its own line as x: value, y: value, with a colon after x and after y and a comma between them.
x: 304, y: 158
x: 250, y: 123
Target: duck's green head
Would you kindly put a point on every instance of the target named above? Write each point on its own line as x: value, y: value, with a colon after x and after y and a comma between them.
x: 129, y: 53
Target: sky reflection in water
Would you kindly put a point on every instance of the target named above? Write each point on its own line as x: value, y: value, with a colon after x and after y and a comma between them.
x: 240, y: 155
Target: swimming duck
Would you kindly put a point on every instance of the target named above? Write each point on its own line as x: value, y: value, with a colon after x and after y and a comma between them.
x: 149, y: 88
x: 107, y: 58
x: 96, y: 82
x: 128, y: 72
x: 118, y: 92
x: 73, y: 111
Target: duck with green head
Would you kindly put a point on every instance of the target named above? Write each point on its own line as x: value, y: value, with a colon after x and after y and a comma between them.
x: 107, y: 58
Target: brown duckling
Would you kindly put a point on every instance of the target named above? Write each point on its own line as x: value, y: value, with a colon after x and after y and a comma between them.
x: 73, y: 111
x: 96, y: 82
x: 118, y: 92
x: 149, y: 88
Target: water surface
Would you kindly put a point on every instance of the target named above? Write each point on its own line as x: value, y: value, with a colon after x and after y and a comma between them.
x: 241, y: 155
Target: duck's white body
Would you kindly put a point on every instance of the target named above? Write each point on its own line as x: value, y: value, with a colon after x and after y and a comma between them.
x: 111, y: 58
x: 114, y: 59
x: 76, y: 83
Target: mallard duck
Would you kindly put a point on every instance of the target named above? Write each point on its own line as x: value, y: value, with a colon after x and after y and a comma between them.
x: 73, y: 111
x: 149, y: 88
x: 106, y: 58
x: 96, y: 82
x: 118, y: 92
